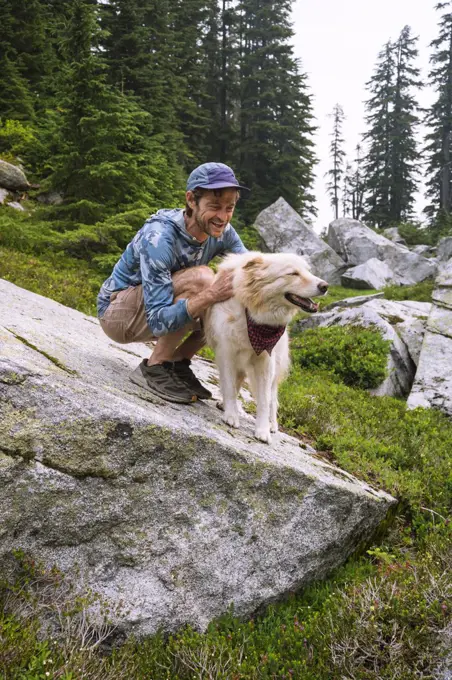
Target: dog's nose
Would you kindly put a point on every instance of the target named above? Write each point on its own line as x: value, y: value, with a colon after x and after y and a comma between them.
x: 323, y: 287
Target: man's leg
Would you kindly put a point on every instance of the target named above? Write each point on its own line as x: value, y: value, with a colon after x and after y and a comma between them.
x: 187, y: 283
x: 167, y: 372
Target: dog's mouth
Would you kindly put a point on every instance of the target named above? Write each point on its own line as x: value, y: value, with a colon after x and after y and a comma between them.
x: 306, y: 304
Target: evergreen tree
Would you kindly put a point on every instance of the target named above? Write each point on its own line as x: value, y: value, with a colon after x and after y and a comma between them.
x: 201, y: 63
x: 337, y: 155
x: 392, y: 159
x: 16, y: 101
x: 357, y: 186
x: 439, y: 121
x: 377, y: 168
x: 404, y: 154
x: 105, y: 154
x: 139, y: 48
x: 347, y: 191
x: 276, y: 151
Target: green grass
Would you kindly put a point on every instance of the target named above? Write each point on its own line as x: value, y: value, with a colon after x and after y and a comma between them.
x: 70, y: 282
x: 336, y: 293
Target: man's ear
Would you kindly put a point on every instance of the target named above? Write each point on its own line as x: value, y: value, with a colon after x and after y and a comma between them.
x: 190, y: 198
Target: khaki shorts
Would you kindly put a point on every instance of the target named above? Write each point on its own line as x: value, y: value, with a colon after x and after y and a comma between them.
x: 125, y: 319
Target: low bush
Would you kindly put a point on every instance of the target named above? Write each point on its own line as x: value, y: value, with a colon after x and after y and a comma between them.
x: 419, y: 292
x: 406, y: 452
x: 355, y: 355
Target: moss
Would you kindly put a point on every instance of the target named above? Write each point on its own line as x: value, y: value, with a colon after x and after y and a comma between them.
x: 54, y: 360
x: 393, y: 319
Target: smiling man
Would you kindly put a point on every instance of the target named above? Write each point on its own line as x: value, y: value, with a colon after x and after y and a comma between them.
x: 161, y: 287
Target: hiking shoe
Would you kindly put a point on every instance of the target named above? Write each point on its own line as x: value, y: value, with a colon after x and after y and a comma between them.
x: 161, y: 380
x: 183, y: 371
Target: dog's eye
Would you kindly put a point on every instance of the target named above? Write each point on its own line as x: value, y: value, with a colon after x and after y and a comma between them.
x: 294, y: 274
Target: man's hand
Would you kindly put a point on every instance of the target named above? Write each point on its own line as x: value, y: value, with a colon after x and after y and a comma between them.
x: 221, y: 289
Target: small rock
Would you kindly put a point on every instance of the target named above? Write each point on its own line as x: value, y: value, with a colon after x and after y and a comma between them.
x: 16, y: 205
x: 12, y: 177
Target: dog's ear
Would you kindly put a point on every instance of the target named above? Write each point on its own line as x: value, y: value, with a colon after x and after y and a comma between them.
x: 255, y: 262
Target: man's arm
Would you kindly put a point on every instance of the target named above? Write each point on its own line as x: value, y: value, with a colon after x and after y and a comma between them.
x: 220, y: 290
x: 162, y: 314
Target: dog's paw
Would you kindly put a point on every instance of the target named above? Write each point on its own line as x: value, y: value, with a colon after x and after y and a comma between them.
x: 274, y: 427
x: 263, y: 434
x: 231, y: 419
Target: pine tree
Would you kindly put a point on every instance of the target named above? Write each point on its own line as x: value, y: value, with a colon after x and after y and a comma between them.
x: 347, y: 190
x: 439, y: 121
x: 357, y: 186
x: 337, y: 155
x: 404, y: 154
x: 202, y: 41
x: 377, y: 165
x: 392, y: 159
x: 139, y: 48
x: 276, y: 151
x: 106, y: 155
x: 16, y: 101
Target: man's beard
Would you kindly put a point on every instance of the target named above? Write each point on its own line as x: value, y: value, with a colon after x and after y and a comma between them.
x: 204, y: 226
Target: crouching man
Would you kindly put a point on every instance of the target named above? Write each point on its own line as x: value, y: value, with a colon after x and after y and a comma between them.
x: 161, y: 287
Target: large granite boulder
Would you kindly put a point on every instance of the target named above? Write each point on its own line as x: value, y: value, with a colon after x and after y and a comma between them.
x: 156, y: 505
x: 356, y: 244
x: 283, y: 230
x: 12, y: 177
x: 444, y: 250
x: 400, y: 366
x: 373, y: 274
x: 408, y: 318
x: 433, y: 384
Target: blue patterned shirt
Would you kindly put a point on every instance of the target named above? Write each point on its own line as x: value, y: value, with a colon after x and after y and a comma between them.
x: 161, y: 247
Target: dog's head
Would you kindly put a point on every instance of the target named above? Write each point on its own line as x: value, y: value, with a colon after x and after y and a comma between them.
x: 277, y: 283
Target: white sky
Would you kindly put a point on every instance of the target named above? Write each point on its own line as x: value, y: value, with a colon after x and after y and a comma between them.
x: 338, y: 42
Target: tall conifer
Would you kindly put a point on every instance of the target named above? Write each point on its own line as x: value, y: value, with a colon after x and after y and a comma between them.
x: 276, y: 148
x: 337, y: 155
x: 439, y: 121
x: 377, y: 165
x: 106, y: 155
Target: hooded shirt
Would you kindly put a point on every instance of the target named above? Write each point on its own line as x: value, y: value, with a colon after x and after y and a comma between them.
x: 161, y: 247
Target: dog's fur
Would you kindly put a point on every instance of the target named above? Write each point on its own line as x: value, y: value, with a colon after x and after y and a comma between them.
x: 261, y: 281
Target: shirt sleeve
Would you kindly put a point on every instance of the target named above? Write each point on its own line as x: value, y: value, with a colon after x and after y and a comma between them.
x: 232, y: 242
x: 156, y: 261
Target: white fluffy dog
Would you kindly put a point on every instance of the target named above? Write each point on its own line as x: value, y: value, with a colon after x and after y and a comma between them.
x: 248, y: 331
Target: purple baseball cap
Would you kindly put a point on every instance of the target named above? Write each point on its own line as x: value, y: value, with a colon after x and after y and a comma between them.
x: 213, y: 176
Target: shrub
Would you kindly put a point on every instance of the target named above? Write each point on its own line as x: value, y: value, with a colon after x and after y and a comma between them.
x: 420, y: 292
x: 355, y: 355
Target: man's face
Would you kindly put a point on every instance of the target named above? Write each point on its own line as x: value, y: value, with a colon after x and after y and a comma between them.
x: 213, y: 212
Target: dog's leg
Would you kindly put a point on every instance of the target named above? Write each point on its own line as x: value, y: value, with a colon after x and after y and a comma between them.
x: 262, y: 384
x: 228, y: 387
x: 274, y: 406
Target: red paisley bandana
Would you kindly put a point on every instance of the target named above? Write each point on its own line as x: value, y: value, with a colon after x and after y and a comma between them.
x: 263, y: 337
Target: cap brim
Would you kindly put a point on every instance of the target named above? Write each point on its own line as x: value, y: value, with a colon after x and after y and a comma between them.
x: 222, y: 185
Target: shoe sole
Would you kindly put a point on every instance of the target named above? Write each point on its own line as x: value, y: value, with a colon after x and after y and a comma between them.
x: 140, y: 380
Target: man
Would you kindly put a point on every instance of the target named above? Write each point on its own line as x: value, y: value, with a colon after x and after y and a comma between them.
x: 161, y: 286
